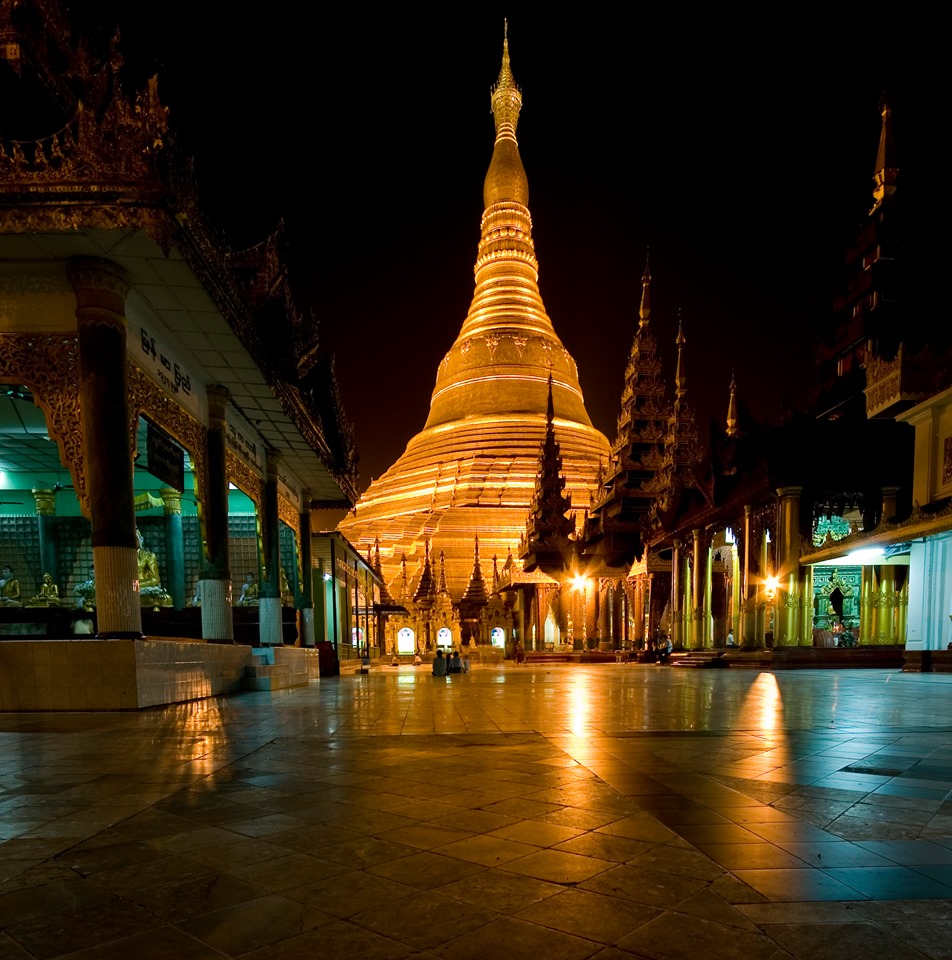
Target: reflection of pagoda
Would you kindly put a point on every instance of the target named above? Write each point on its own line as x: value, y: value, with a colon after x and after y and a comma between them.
x: 472, y: 469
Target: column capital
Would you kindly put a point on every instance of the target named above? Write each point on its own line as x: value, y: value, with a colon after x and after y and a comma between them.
x: 101, y: 286
x: 171, y: 500
x: 45, y: 502
x: 218, y: 398
x: 784, y: 492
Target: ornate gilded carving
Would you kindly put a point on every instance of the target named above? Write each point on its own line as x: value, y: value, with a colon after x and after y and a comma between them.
x: 288, y: 513
x: 145, y: 396
x: 244, y: 478
x: 947, y: 461
x: 45, y: 502
x: 49, y: 366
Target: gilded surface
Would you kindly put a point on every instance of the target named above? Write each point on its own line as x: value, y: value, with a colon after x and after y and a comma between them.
x: 473, y: 466
x: 145, y: 396
x: 244, y: 478
x: 49, y: 366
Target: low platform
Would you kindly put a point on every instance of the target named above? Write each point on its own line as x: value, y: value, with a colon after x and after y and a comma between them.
x: 92, y: 674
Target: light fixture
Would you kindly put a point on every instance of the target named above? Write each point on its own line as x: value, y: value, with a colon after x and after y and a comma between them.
x: 866, y: 555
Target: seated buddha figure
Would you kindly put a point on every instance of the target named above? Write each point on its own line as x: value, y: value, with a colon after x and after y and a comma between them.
x: 151, y: 591
x: 48, y: 595
x: 249, y: 591
x: 9, y: 587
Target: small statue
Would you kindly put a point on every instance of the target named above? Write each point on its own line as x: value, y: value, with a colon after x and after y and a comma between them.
x: 249, y: 591
x: 86, y: 591
x: 48, y: 595
x: 151, y: 591
x: 9, y: 587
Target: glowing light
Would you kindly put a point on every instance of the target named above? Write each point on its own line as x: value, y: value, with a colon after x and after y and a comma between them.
x: 770, y: 585
x: 865, y: 555
x: 579, y: 582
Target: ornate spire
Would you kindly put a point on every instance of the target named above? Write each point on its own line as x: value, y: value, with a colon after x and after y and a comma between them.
x: 506, y: 178
x: 495, y: 574
x: 423, y: 595
x: 549, y: 529
x: 644, y: 311
x: 442, y: 591
x: 476, y: 593
x: 887, y: 171
x: 680, y: 381
x: 385, y: 597
x: 733, y: 426
x: 506, y: 97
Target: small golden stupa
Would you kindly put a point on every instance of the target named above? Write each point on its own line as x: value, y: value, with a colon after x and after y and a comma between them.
x: 472, y: 468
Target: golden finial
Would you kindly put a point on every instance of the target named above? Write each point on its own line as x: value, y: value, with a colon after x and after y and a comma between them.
x: 644, y: 312
x: 506, y: 97
x: 680, y: 382
x: 733, y: 426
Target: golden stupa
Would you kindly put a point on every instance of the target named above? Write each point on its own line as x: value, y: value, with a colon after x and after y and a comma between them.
x: 472, y: 468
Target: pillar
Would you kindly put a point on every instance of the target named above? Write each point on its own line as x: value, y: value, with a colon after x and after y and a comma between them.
x: 307, y: 590
x: 638, y: 610
x: 46, y: 532
x: 215, y: 577
x: 697, y: 590
x: 736, y: 600
x: 867, y: 604
x: 707, y: 611
x: 806, y: 609
x: 269, y: 591
x: 101, y: 288
x: 761, y: 612
x: 749, y: 593
x: 888, y: 606
x: 174, y: 545
x: 676, y: 626
x: 787, y: 617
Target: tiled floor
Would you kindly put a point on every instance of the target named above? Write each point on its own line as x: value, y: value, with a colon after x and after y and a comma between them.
x: 557, y: 812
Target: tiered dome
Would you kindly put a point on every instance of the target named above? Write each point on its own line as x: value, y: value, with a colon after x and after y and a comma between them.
x: 472, y: 468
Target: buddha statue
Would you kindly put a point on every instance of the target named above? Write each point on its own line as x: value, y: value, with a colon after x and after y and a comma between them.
x: 9, y: 587
x: 249, y: 591
x: 48, y: 595
x: 151, y: 591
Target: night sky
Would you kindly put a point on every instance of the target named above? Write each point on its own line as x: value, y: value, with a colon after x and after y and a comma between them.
x: 739, y: 152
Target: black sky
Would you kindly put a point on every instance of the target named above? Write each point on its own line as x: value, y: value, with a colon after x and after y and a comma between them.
x: 740, y: 152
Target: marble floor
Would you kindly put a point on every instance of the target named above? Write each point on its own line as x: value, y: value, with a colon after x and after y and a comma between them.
x: 559, y: 812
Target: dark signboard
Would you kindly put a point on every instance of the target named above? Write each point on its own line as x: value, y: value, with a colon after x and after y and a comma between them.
x: 166, y: 459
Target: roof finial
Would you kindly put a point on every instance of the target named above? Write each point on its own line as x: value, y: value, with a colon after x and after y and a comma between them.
x: 506, y: 97
x: 550, y: 405
x: 733, y: 426
x: 680, y: 381
x: 886, y: 172
x: 644, y: 312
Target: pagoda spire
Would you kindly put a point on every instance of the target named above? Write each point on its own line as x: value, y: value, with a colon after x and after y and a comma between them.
x: 680, y: 381
x: 385, y: 597
x: 733, y: 425
x: 495, y: 574
x: 644, y: 311
x: 423, y: 595
x: 887, y: 170
x: 476, y: 593
x: 442, y: 591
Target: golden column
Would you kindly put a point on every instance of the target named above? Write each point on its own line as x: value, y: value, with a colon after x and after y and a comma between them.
x: 101, y: 288
x: 789, y: 586
x: 707, y: 612
x: 697, y: 590
x: 737, y: 596
x: 676, y: 626
x: 806, y: 609
x: 749, y: 591
x: 761, y: 613
x: 888, y: 606
x: 867, y: 603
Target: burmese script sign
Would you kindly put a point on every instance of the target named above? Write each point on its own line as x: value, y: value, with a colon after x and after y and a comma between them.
x: 166, y: 458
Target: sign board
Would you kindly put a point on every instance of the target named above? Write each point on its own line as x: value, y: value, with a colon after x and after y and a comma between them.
x: 166, y: 459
